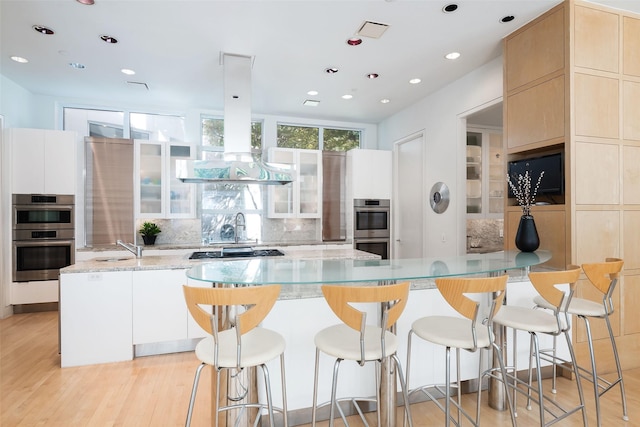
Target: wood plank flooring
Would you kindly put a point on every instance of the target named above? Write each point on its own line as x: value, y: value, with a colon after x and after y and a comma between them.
x: 154, y: 391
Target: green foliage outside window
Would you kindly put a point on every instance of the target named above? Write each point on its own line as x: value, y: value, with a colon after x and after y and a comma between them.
x: 309, y: 138
x: 340, y: 139
x: 298, y: 137
x: 213, y: 133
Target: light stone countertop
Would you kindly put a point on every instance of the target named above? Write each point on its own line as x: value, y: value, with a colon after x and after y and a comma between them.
x: 125, y: 261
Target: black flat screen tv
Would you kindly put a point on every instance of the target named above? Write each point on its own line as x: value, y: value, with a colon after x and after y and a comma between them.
x: 552, y: 182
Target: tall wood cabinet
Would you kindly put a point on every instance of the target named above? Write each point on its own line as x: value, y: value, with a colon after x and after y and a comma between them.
x: 572, y: 84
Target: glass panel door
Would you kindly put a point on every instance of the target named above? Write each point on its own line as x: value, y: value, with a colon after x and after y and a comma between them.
x: 150, y: 177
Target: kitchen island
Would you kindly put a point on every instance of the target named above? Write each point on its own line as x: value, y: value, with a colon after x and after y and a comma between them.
x: 114, y: 307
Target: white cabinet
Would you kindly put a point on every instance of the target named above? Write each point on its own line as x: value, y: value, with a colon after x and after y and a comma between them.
x: 159, y: 310
x: 43, y: 161
x: 159, y: 194
x: 95, y: 318
x: 369, y: 174
x: 303, y: 197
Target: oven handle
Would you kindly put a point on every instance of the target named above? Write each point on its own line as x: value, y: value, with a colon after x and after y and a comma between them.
x: 44, y: 242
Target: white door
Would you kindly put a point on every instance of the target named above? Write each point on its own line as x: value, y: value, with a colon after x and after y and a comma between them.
x: 408, y: 218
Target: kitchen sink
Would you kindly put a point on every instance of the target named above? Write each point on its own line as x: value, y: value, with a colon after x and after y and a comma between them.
x: 236, y: 252
x: 112, y: 258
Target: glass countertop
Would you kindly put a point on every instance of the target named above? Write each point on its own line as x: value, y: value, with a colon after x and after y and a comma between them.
x: 284, y: 271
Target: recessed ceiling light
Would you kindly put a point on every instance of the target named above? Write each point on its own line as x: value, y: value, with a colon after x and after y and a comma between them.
x: 43, y: 30
x: 385, y: 101
x: 331, y: 70
x: 372, y: 76
x: 450, y: 8
x: 415, y: 81
x: 311, y: 102
x: 76, y: 65
x: 507, y: 18
x: 20, y: 59
x: 312, y: 92
x: 108, y: 39
x: 452, y: 55
x: 87, y: 2
x: 127, y: 71
x: 347, y: 96
x: 354, y: 41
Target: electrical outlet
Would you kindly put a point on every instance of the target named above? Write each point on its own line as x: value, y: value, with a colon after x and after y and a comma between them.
x: 444, y: 238
x: 95, y: 277
x: 501, y: 232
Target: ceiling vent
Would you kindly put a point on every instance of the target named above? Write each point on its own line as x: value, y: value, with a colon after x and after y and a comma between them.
x: 372, y: 30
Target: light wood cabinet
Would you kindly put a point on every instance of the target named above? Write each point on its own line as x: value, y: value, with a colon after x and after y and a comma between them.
x: 572, y: 83
x: 43, y: 161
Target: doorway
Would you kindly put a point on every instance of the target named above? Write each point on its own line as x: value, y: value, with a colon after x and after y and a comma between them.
x: 485, y: 179
x: 408, y: 239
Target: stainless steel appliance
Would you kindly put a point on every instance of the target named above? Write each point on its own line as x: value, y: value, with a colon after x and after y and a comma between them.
x: 108, y: 191
x: 43, y: 236
x: 372, y: 226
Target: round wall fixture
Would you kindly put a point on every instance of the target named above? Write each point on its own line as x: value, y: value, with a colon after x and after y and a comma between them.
x: 439, y: 197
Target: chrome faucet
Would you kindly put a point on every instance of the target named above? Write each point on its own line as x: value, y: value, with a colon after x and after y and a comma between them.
x: 240, y: 222
x: 136, y: 250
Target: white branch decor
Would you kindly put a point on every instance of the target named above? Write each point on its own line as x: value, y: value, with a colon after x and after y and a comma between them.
x: 522, y: 190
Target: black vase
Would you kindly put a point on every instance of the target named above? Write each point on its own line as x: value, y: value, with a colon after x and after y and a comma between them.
x: 527, y: 239
x: 149, y: 240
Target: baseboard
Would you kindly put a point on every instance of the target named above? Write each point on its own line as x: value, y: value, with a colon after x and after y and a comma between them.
x: 35, y: 308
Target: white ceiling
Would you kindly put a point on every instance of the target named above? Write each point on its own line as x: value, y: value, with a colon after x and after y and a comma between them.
x: 175, y: 45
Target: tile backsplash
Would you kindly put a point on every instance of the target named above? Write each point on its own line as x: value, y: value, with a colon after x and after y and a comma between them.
x: 485, y: 233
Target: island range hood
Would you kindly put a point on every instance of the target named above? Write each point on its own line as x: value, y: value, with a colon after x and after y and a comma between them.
x: 238, y: 166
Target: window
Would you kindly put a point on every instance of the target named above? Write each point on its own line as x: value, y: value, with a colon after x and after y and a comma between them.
x: 213, y: 133
x: 307, y: 138
x: 221, y: 202
x: 340, y: 139
x: 156, y: 127
x: 318, y: 138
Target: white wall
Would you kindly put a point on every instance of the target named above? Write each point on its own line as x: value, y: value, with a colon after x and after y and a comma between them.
x: 15, y: 105
x: 441, y: 117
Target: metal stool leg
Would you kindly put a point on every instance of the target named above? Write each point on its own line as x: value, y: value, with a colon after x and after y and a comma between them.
x: 576, y: 372
x: 284, y: 391
x: 194, y: 389
x: 625, y: 417
x: 315, y: 391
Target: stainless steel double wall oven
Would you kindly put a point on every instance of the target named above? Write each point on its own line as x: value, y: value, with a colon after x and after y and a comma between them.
x: 372, y: 226
x: 43, y: 236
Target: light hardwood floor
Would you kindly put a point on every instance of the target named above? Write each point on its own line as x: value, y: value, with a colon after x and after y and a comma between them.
x: 154, y: 391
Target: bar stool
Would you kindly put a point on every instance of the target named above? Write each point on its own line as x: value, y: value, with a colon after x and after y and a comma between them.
x: 244, y: 345
x: 358, y: 341
x: 471, y: 333
x: 537, y: 322
x: 604, y: 277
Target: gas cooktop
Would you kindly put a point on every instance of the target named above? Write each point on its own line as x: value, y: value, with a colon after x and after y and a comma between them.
x: 236, y: 253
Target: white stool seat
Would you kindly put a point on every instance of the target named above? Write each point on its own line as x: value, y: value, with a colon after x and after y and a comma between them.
x: 553, y: 323
x: 449, y: 331
x: 258, y: 346
x: 470, y: 332
x: 578, y: 306
x: 227, y: 313
x: 358, y: 341
x: 528, y: 319
x: 343, y: 342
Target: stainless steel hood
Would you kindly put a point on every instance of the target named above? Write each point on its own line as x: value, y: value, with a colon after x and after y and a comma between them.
x: 238, y: 166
